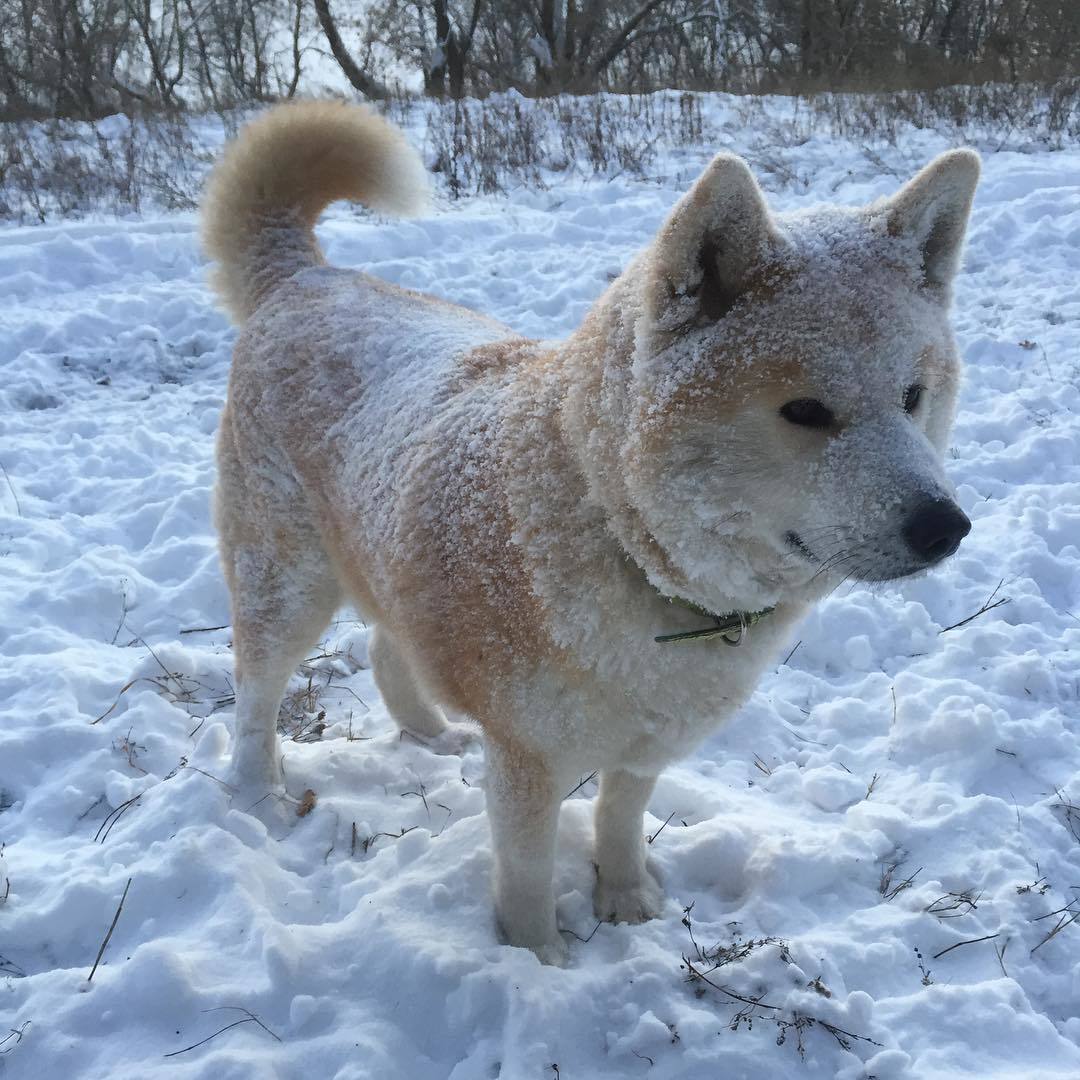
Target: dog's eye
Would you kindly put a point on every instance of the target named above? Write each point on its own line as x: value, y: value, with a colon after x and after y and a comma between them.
x: 808, y: 412
x: 912, y: 397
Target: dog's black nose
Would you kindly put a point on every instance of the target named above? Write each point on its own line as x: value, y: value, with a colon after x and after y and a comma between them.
x: 935, y: 530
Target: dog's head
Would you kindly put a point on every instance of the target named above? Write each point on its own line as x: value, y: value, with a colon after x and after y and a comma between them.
x: 792, y: 387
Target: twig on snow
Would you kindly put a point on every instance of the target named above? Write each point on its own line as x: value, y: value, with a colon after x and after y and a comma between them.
x: 970, y: 941
x: 988, y: 606
x: 109, y: 934
x: 113, y: 817
x: 250, y: 1018
x: 1067, y: 915
x: 16, y: 1034
x: 11, y: 488
x: 650, y: 839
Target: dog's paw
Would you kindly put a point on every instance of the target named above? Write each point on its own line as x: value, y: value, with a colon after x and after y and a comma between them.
x: 554, y: 953
x: 454, y: 740
x: 273, y: 807
x: 531, y: 930
x: 636, y: 902
x: 260, y: 793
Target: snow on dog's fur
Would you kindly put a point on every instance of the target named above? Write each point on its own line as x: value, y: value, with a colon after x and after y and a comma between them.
x: 755, y: 410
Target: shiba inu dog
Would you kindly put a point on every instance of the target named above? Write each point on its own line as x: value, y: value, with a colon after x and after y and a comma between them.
x: 592, y: 547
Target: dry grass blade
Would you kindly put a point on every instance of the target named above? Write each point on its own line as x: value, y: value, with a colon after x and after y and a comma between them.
x: 579, y: 785
x: 11, y: 488
x: 250, y: 1018
x: 988, y: 606
x: 367, y: 843
x: 1000, y: 953
x: 1067, y: 915
x: 113, y: 817
x: 6, y: 891
x: 9, y: 967
x: 695, y: 974
x: 449, y: 815
x: 953, y: 905
x: 970, y: 941
x: 586, y: 940
x: 650, y: 839
x: 123, y: 690
x: 1040, y: 884
x: 203, y: 772
x: 885, y: 885
x: 1072, y: 814
x: 170, y: 676
x: 130, y: 749
x: 421, y: 794
x: 16, y: 1034
x: 752, y: 1006
x: 109, y: 933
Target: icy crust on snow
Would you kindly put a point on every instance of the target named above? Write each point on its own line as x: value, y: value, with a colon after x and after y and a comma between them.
x: 891, y: 788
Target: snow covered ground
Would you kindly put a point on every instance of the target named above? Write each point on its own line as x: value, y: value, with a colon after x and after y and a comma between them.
x: 904, y: 784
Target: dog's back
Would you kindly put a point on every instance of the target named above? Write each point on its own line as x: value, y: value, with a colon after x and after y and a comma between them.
x: 336, y: 375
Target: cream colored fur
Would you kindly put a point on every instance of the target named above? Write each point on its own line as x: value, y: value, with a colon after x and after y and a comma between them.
x: 269, y: 188
x: 512, y: 515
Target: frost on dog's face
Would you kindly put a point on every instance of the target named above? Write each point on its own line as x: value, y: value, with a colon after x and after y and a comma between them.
x: 796, y: 382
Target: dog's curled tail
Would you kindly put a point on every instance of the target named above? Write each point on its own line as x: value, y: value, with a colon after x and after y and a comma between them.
x: 272, y: 182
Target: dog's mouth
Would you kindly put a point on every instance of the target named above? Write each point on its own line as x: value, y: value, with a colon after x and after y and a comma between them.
x: 868, y: 571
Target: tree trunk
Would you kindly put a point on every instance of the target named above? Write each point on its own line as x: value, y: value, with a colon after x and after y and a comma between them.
x: 435, y: 79
x: 367, y: 86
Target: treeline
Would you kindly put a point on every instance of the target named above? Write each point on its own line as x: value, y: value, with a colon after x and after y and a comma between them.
x: 89, y: 58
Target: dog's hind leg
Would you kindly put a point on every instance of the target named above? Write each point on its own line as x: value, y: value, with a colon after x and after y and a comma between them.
x: 404, y: 699
x: 283, y: 592
x: 279, y: 610
x: 523, y: 795
x: 626, y: 890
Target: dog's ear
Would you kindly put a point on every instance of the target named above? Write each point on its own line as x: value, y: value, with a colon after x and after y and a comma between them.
x: 703, y: 257
x: 933, y: 209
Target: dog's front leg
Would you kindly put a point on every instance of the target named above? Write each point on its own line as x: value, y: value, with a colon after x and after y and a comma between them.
x: 523, y: 799
x: 626, y: 891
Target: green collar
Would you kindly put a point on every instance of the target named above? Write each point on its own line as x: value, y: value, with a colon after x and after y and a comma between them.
x: 730, y: 628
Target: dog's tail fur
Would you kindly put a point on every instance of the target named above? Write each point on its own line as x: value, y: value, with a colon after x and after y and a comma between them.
x: 272, y: 182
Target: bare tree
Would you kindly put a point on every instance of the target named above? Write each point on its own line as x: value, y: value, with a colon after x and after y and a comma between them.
x: 164, y: 41
x: 84, y: 58
x: 366, y: 85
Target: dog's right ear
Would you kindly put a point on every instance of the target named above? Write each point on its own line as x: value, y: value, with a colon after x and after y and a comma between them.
x: 719, y: 233
x: 933, y: 209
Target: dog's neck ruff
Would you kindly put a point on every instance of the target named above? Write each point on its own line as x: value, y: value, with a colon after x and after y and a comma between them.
x: 730, y: 628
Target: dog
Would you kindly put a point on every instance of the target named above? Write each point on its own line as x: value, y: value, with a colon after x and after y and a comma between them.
x: 592, y: 547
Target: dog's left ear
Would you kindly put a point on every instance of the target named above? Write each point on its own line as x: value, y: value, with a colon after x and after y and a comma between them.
x: 702, y: 259
x: 933, y: 208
